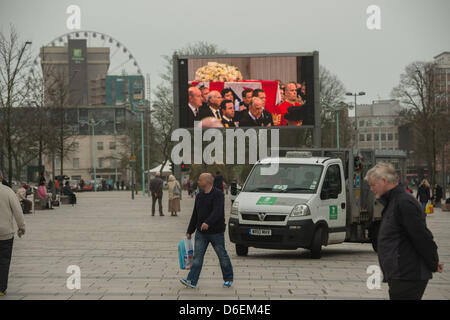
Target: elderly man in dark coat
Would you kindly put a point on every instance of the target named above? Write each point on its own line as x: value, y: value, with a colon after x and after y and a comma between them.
x: 156, y: 188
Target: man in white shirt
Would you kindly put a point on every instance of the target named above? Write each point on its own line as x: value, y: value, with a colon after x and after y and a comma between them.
x: 9, y: 208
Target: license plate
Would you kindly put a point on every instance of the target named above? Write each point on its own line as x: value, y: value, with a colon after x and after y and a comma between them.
x: 260, y: 232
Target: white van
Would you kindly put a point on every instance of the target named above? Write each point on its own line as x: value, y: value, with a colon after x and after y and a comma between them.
x: 310, y: 202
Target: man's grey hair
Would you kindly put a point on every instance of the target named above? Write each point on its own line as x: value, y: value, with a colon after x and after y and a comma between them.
x: 255, y: 99
x: 211, y: 95
x: 382, y: 170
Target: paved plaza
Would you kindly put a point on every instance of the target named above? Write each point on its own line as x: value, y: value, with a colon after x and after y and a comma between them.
x: 125, y: 253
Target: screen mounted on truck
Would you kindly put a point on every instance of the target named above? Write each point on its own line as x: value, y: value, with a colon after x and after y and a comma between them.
x: 218, y: 91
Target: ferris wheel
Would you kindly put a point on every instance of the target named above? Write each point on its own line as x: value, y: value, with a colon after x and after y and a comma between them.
x: 122, y: 61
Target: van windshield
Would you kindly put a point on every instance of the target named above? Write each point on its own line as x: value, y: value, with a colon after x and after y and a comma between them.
x: 291, y: 178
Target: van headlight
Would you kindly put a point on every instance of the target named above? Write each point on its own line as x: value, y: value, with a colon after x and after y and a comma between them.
x: 300, y: 210
x: 235, y: 209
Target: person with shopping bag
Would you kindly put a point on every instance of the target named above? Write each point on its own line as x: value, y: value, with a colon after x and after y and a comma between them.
x: 174, y: 196
x: 208, y: 223
x: 423, y: 194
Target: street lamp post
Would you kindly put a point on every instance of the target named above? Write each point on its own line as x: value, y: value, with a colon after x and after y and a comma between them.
x: 92, y: 123
x: 142, y: 146
x: 356, y: 94
x: 336, y: 109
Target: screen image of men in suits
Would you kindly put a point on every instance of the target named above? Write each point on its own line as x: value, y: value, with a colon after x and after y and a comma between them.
x: 228, y: 114
x: 192, y: 110
x: 254, y: 117
x: 213, y: 106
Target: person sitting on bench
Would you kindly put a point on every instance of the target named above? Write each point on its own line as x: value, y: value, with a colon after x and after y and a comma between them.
x: 68, y: 192
x: 22, y: 196
x: 42, y: 194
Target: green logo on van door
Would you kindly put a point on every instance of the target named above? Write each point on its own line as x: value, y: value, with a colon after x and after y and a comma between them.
x: 268, y: 201
x: 333, y: 212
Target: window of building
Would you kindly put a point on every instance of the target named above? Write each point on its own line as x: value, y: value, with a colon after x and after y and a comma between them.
x: 376, y: 136
x: 101, y: 162
x: 112, y: 145
x: 383, y: 137
x: 369, y: 123
x: 137, y: 83
x: 361, y: 137
x: 76, y: 163
x: 57, y: 163
x: 100, y: 145
x: 396, y: 137
x: 361, y: 123
x: 390, y: 136
x: 369, y: 137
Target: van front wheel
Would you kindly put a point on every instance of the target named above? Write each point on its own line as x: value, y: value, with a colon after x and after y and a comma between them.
x: 316, y: 245
x: 241, y: 250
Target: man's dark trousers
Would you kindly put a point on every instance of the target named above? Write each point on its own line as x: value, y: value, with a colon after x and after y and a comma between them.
x: 155, y: 197
x: 6, y: 247
x: 407, y: 289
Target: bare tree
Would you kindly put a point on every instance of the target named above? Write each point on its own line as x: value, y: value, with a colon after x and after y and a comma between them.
x: 332, y: 92
x: 62, y: 136
x: 427, y: 111
x: 14, y: 61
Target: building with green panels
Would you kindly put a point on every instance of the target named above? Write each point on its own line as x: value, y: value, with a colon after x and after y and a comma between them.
x: 122, y: 90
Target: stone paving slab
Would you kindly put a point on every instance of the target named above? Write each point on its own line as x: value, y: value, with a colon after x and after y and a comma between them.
x: 125, y: 253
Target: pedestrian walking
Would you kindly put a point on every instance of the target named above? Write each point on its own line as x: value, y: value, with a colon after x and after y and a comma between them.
x: 218, y: 181
x: 406, y: 250
x: 423, y: 193
x: 156, y: 188
x: 208, y: 223
x: 174, y: 196
x: 438, y: 194
x: 9, y: 208
x: 56, y: 188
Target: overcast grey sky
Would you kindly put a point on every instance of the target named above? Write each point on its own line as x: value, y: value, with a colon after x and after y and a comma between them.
x: 364, y: 60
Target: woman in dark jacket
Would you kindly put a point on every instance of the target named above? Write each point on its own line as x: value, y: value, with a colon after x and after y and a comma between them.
x: 423, y: 193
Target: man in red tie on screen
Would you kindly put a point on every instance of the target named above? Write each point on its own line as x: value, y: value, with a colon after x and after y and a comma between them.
x: 290, y: 100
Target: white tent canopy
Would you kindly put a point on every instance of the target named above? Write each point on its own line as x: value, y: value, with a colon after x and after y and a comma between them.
x: 166, y: 170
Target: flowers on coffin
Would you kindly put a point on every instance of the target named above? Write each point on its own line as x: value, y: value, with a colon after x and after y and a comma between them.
x: 215, y: 71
